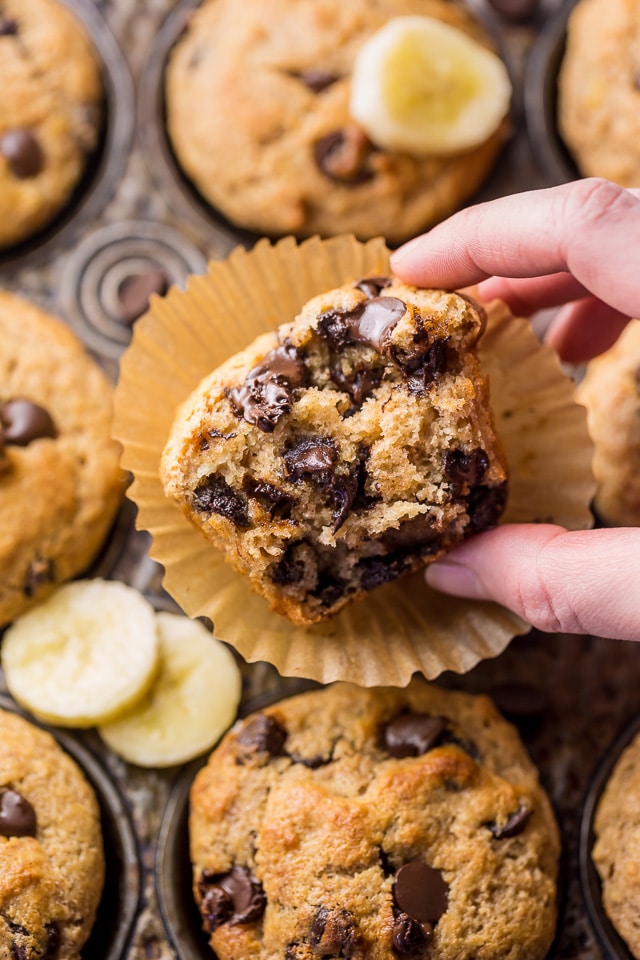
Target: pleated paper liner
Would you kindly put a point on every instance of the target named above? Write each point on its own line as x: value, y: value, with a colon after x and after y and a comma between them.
x: 401, y: 627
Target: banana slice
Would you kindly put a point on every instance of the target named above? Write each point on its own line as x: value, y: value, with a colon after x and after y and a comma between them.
x: 424, y: 87
x: 194, y: 699
x: 83, y: 656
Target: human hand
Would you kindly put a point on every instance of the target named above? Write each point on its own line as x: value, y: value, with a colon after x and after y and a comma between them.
x: 579, y: 245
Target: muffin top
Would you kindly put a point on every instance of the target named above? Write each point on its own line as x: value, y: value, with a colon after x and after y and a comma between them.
x: 49, y: 112
x: 351, y: 822
x: 51, y: 860
x: 276, y: 149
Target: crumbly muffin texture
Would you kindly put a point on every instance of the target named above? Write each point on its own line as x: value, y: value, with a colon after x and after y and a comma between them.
x: 349, y: 447
x: 60, y: 480
x: 50, y: 112
x: 599, y: 89
x: 374, y: 823
x: 616, y: 852
x: 610, y: 390
x: 51, y: 859
x: 276, y: 150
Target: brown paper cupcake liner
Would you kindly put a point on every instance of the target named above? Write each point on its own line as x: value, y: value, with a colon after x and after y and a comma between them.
x: 401, y: 627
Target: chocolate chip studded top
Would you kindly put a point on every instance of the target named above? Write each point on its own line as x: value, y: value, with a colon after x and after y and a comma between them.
x: 346, y: 449
x: 369, y: 853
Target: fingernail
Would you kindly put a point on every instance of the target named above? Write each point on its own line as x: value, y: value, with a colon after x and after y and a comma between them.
x: 402, y: 252
x: 455, y: 579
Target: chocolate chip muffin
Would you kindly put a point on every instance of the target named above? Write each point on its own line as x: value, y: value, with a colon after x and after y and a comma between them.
x: 615, y: 853
x: 347, y: 448
x: 60, y: 482
x: 374, y: 823
x: 51, y: 861
x: 599, y: 89
x: 258, y: 116
x: 610, y: 391
x: 49, y: 112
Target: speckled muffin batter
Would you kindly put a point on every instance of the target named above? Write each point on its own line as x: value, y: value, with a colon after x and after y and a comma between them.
x: 599, y: 89
x: 374, y: 823
x: 611, y: 392
x: 347, y: 448
x: 49, y: 112
x: 51, y: 860
x: 60, y: 482
x: 616, y: 852
x: 257, y: 112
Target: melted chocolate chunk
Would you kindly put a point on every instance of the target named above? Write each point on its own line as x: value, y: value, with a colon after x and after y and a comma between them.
x: 374, y: 571
x: 343, y: 491
x: 485, y: 506
x: 316, y: 78
x: 267, y: 392
x: 17, y: 816
x: 422, y: 371
x: 8, y: 27
x: 514, y: 826
x: 22, y: 152
x: 39, y: 574
x: 53, y: 940
x: 311, y: 456
x: 409, y: 936
x: 421, y: 892
x: 412, y: 734
x: 275, y: 501
x: 23, y: 421
x: 372, y: 286
x: 343, y: 156
x: 289, y: 569
x: 411, y: 535
x: 334, y: 933
x: 370, y: 322
x: 135, y: 290
x: 330, y: 589
x: 359, y: 384
x: 469, y: 468
x: 263, y: 734
x: 236, y: 897
x: 214, y: 495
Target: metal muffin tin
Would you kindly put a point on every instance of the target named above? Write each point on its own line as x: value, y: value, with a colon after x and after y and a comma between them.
x: 612, y: 944
x: 120, y: 900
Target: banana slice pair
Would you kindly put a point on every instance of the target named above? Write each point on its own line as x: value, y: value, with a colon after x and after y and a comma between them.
x: 160, y: 687
x: 426, y: 88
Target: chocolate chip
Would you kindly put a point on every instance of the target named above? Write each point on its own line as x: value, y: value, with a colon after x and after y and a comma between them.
x: 312, y: 763
x: 417, y: 534
x: 334, y: 933
x: 235, y: 897
x: 423, y: 370
x: 53, y: 940
x: 412, y: 734
x: 214, y: 495
x: 23, y: 421
x: 372, y: 286
x: 369, y: 323
x: 263, y: 734
x: 17, y: 816
x: 409, y: 936
x: 374, y: 571
x: 516, y: 822
x: 343, y: 492
x: 136, y: 289
x: 22, y: 152
x: 267, y: 392
x: 310, y: 456
x: 8, y: 27
x: 469, y: 468
x: 421, y: 892
x: 514, y: 9
x: 316, y: 78
x: 39, y: 574
x: 359, y: 383
x: 485, y: 506
x: 289, y: 569
x: 276, y: 502
x: 343, y: 156
x: 330, y: 589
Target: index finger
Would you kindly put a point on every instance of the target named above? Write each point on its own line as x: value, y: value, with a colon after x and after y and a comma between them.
x: 588, y: 228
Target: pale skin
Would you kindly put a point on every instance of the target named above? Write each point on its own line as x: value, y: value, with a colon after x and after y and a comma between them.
x: 576, y: 245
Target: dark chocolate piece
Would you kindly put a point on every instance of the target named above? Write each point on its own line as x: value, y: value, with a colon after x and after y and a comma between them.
x: 343, y: 156
x: 369, y: 323
x: 316, y: 78
x: 216, y: 907
x: 235, y: 897
x: 359, y: 384
x: 17, y: 816
x: 334, y: 933
x: 409, y: 936
x: 22, y: 422
x: 372, y: 286
x: 469, y: 468
x: 330, y: 589
x: 276, y: 502
x: 421, y: 892
x: 374, y: 571
x: 22, y: 152
x: 289, y: 569
x: 516, y: 822
x: 267, y: 392
x: 214, y: 495
x: 8, y: 27
x: 418, y: 532
x: 135, y: 290
x: 343, y: 491
x: 310, y: 456
x: 264, y: 734
x: 53, y: 940
x: 412, y: 734
x: 39, y: 574
x: 423, y: 370
x: 485, y: 506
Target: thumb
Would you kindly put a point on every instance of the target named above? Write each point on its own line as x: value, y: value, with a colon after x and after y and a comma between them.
x: 559, y: 581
